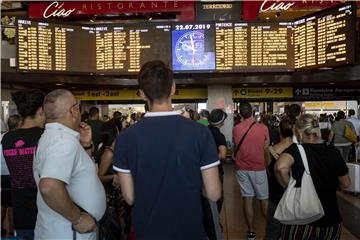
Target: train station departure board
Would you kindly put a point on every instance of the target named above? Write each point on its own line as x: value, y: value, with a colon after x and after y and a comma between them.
x: 47, y: 46
x: 323, y: 39
x: 43, y: 46
x: 254, y: 46
x: 126, y: 48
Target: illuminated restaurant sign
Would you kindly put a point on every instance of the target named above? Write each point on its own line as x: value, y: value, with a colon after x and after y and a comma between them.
x: 275, y: 6
x: 55, y: 9
x: 270, y: 5
x: 251, y: 9
x: 64, y: 9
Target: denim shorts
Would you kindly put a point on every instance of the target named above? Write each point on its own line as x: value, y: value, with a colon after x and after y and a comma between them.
x: 253, y: 184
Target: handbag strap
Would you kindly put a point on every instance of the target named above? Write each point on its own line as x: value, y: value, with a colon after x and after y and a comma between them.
x: 243, y: 138
x: 303, y: 158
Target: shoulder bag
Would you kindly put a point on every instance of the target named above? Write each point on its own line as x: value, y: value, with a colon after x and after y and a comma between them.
x: 349, y: 134
x: 300, y: 206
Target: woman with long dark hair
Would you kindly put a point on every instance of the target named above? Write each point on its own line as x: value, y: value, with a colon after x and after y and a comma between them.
x: 273, y: 227
x: 18, y: 150
x: 104, y: 156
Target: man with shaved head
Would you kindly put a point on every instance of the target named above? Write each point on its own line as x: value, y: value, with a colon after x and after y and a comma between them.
x: 70, y: 193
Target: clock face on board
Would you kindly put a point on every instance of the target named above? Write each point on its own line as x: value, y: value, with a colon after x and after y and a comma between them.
x: 190, y: 48
x: 189, y: 51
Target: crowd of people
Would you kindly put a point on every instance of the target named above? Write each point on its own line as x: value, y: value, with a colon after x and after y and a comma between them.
x: 161, y: 173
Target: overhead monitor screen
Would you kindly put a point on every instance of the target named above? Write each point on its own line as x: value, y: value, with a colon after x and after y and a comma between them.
x: 193, y: 47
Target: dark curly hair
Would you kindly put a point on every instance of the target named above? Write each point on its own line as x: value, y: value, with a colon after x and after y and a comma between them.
x: 28, y: 101
x: 108, y: 133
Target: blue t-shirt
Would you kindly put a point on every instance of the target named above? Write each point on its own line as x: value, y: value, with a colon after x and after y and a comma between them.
x: 165, y: 154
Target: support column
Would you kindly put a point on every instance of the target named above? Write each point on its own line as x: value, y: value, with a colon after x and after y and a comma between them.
x: 220, y: 96
x: 352, y: 105
x: 269, y: 107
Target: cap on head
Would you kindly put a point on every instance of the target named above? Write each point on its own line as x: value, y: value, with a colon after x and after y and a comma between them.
x: 217, y: 117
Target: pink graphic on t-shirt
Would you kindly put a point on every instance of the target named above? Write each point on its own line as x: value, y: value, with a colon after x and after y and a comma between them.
x: 19, y: 143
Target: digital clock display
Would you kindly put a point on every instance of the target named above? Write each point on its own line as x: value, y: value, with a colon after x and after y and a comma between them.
x: 193, y: 47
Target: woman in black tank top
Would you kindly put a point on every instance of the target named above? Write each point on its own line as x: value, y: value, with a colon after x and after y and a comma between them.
x: 104, y: 155
x: 273, y: 227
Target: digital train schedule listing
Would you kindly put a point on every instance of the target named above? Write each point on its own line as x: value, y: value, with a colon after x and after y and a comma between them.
x: 320, y: 40
x: 124, y: 48
x: 242, y: 46
x: 193, y: 47
x: 325, y: 39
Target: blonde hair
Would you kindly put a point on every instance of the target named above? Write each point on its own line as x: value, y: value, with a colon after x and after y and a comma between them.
x: 308, y: 125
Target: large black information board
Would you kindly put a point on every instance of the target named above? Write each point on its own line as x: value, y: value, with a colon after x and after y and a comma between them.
x: 323, y: 39
x: 124, y: 49
x: 44, y: 46
x: 254, y: 47
x: 47, y: 46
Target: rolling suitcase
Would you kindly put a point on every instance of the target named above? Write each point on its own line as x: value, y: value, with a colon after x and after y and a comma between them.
x: 354, y: 174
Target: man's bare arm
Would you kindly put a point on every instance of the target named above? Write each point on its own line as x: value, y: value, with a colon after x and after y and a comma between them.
x: 55, y: 195
x: 212, y: 185
x: 127, y: 187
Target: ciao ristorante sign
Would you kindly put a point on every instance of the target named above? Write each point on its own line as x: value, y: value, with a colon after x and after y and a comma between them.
x: 65, y: 9
x: 271, y: 5
x: 251, y: 9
